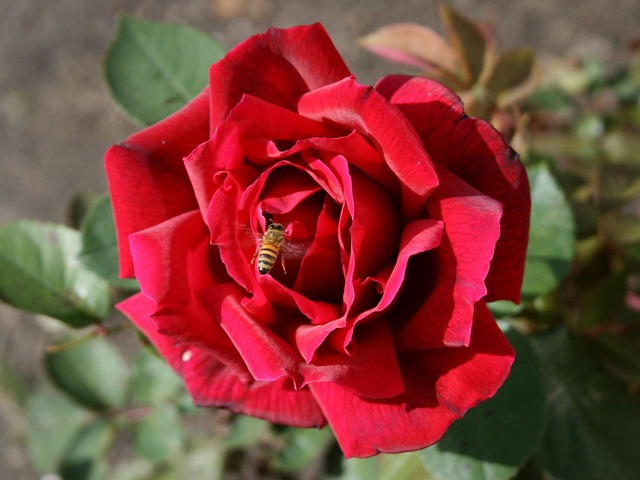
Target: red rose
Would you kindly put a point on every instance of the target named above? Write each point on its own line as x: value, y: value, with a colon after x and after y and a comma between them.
x: 410, y: 214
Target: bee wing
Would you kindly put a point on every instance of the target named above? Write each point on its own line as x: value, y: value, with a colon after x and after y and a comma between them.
x: 247, y: 237
x: 294, y: 249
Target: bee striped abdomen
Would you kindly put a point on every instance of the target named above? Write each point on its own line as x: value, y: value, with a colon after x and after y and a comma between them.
x: 267, y: 257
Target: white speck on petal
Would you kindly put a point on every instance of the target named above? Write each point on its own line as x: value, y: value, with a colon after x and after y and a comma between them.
x: 186, y: 355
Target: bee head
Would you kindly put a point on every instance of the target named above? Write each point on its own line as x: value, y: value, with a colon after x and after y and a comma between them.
x: 276, y: 226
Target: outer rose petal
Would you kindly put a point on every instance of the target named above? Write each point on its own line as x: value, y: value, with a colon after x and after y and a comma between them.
x: 211, y: 383
x: 472, y: 226
x: 473, y: 150
x: 169, y: 260
x: 147, y: 179
x: 277, y: 66
x: 441, y: 386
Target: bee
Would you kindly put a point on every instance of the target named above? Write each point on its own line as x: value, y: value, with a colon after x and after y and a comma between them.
x: 269, y: 249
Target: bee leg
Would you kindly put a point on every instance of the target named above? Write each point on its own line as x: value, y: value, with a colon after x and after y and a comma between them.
x: 282, y: 260
x: 255, y: 255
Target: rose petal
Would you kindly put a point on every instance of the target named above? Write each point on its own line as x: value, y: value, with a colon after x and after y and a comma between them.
x: 361, y: 108
x: 169, y: 260
x: 320, y: 276
x: 473, y: 150
x: 285, y: 189
x: 235, y: 245
x: 375, y: 228
x: 258, y: 119
x: 360, y: 152
x: 147, y: 179
x: 441, y: 385
x: 417, y: 237
x: 372, y: 372
x: 230, y: 145
x: 270, y: 357
x: 211, y: 383
x: 471, y: 228
x: 277, y: 66
x: 210, y: 158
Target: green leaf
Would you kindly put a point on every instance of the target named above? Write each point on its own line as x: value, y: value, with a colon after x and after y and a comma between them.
x: 159, y: 434
x: 405, y: 466
x: 79, y: 207
x: 592, y: 432
x: 605, y: 303
x: 152, y: 380
x: 551, y: 237
x: 620, y: 354
x: 550, y: 98
x: 246, y: 431
x: 41, y: 274
x: 153, y: 69
x: 92, y: 373
x: 359, y: 469
x: 622, y: 229
x: 85, y: 457
x: 133, y: 469
x: 493, y: 440
x: 503, y: 308
x: 99, y: 251
x: 52, y: 422
x: 206, y: 461
x: 512, y: 70
x: 468, y: 41
x: 617, y: 184
x: 301, y: 447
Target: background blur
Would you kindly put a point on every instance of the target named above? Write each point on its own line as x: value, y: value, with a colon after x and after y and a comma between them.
x: 57, y: 118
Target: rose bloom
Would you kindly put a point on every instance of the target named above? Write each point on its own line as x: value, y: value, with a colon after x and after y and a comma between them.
x: 402, y: 217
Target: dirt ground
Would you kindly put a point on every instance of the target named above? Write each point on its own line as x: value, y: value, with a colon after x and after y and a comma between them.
x: 57, y: 119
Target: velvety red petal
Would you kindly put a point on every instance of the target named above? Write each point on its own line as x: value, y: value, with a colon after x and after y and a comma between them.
x: 277, y: 66
x: 374, y: 229
x: 372, y: 371
x: 255, y: 118
x: 270, y: 357
x: 473, y: 150
x: 267, y: 356
x: 285, y: 191
x: 146, y: 175
x: 166, y: 255
x: 361, y: 108
x: 352, y: 146
x: 417, y: 237
x: 471, y: 228
x: 178, y: 271
x: 441, y: 385
x: 211, y: 383
x: 227, y: 234
x: 222, y: 153
x: 320, y: 276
